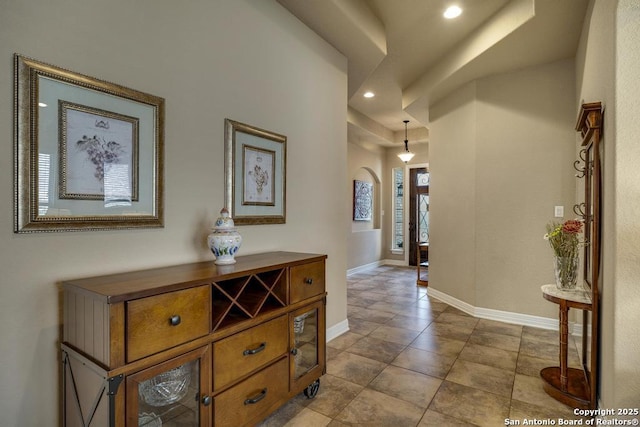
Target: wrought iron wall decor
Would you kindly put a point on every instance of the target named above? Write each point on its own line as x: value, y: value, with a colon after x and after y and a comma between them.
x: 362, y: 200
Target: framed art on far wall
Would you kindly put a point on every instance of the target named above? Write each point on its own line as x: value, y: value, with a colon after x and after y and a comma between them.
x: 89, y: 154
x: 255, y: 174
x: 362, y: 200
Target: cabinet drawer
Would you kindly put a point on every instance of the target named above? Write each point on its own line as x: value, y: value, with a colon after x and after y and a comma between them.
x: 239, y: 354
x: 306, y: 281
x: 166, y: 320
x: 253, y: 397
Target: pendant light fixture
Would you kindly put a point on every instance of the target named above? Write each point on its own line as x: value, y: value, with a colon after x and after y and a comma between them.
x: 406, y: 155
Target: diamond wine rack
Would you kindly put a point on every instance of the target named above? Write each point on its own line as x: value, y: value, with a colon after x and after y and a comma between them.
x: 246, y: 297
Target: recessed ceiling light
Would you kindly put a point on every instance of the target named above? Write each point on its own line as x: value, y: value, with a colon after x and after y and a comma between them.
x: 452, y: 12
x: 41, y: 104
x: 369, y: 94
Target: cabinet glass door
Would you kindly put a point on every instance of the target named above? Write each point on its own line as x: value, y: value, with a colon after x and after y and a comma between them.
x: 307, y: 333
x: 172, y: 394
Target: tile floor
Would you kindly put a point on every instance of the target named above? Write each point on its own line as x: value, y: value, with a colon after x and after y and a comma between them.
x: 411, y: 360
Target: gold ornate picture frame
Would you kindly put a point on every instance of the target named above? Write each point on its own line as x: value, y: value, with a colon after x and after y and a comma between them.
x: 255, y: 174
x: 88, y: 153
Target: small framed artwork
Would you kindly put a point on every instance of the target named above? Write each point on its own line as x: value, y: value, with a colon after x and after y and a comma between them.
x: 89, y: 154
x: 255, y: 174
x: 98, y: 154
x: 362, y: 200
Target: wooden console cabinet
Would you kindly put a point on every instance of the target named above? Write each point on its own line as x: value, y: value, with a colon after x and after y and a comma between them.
x: 194, y: 344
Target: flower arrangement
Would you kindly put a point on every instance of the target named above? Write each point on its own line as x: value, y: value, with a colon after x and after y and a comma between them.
x: 563, y: 239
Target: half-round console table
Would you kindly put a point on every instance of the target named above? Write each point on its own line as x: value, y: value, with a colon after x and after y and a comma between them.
x: 567, y: 385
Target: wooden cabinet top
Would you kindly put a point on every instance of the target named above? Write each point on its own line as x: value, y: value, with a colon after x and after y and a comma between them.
x: 114, y: 288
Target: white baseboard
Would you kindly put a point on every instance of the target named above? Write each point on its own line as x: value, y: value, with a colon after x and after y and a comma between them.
x: 499, y: 315
x: 396, y: 262
x: 454, y: 302
x: 336, y: 330
x: 364, y: 267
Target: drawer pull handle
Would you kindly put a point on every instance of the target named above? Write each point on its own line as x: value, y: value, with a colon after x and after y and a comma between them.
x: 255, y: 350
x: 175, y: 320
x: 206, y: 401
x: 258, y: 398
x: 308, y: 280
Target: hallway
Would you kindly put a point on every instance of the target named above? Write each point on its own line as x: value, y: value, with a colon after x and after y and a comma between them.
x: 411, y: 360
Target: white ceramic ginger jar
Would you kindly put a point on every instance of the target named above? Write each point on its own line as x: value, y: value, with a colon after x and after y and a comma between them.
x: 224, y: 240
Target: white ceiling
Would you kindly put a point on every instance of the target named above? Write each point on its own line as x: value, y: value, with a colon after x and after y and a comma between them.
x: 410, y: 56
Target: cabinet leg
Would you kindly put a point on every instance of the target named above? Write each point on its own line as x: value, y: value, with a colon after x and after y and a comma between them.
x: 564, y: 343
x: 312, y: 389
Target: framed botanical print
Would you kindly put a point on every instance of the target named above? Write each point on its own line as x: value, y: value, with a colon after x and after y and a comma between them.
x: 255, y: 174
x: 259, y: 170
x: 98, y: 154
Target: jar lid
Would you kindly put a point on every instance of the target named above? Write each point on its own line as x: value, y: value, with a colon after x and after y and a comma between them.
x: 224, y: 221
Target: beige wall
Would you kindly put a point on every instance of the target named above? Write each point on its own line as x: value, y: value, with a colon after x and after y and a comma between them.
x: 248, y: 60
x: 627, y: 227
x: 606, y: 71
x: 452, y: 195
x: 502, y: 151
x: 525, y: 154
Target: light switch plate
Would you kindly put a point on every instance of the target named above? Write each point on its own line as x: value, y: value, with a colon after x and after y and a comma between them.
x: 558, y: 211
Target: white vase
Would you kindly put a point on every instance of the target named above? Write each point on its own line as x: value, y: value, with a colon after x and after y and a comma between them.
x: 224, y: 240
